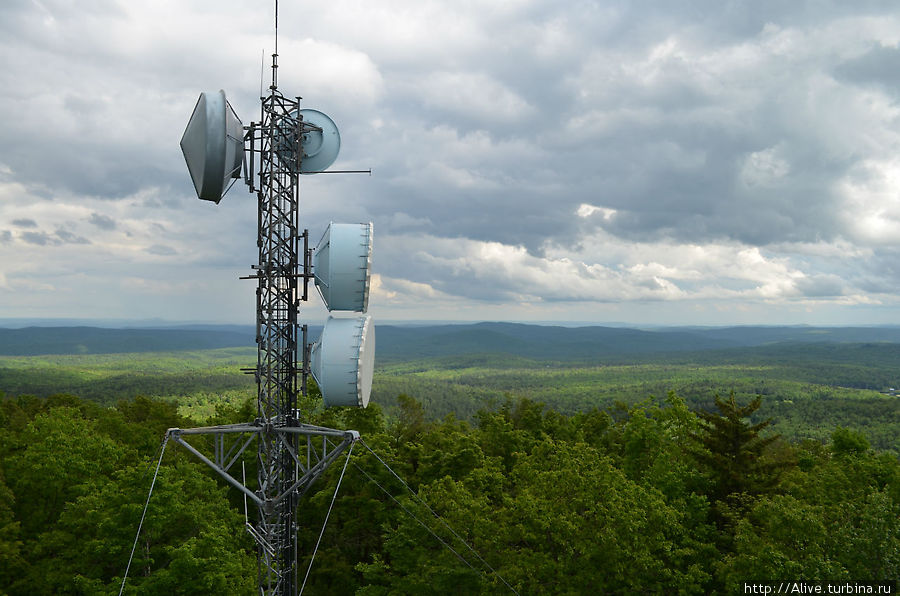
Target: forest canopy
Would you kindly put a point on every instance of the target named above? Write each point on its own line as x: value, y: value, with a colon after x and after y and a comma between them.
x: 645, y: 498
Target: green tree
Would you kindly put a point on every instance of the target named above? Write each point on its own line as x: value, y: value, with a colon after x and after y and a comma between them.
x: 63, y: 455
x: 845, y: 441
x: 77, y: 486
x: 562, y: 520
x: 731, y: 449
x: 191, y: 542
x: 10, y: 538
x: 410, y: 420
x: 867, y: 536
x: 782, y: 537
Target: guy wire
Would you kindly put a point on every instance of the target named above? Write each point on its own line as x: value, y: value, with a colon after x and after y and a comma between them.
x: 162, y: 452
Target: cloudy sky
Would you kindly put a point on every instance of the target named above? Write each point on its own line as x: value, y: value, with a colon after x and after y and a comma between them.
x: 643, y: 161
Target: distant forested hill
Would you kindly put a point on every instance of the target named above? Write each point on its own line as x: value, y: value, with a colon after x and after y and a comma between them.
x: 542, y: 342
x: 532, y: 341
x: 400, y: 343
x: 34, y: 341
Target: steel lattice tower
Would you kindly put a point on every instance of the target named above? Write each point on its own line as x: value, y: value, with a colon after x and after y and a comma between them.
x: 277, y: 305
x: 291, y: 454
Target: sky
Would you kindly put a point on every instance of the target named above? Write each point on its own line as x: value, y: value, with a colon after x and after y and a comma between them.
x: 644, y: 162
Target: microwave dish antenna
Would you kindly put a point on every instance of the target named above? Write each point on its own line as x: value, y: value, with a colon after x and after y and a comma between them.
x: 213, y: 146
x: 342, y: 266
x: 318, y: 138
x: 343, y: 361
x: 320, y: 143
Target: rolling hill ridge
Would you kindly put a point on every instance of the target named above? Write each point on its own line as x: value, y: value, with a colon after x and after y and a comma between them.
x: 401, y: 342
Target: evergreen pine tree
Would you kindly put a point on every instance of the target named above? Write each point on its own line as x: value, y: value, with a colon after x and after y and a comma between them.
x: 731, y: 449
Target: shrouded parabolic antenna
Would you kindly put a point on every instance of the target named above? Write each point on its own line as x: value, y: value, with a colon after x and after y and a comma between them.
x: 213, y: 145
x: 343, y: 361
x: 342, y: 265
x: 320, y: 142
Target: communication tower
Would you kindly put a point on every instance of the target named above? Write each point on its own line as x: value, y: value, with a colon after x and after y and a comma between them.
x: 271, y: 155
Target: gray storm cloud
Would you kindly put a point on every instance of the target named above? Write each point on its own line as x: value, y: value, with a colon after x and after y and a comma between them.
x: 525, y: 152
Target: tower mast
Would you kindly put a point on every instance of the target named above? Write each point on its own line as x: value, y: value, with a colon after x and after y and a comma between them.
x: 277, y: 307
x: 291, y: 454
